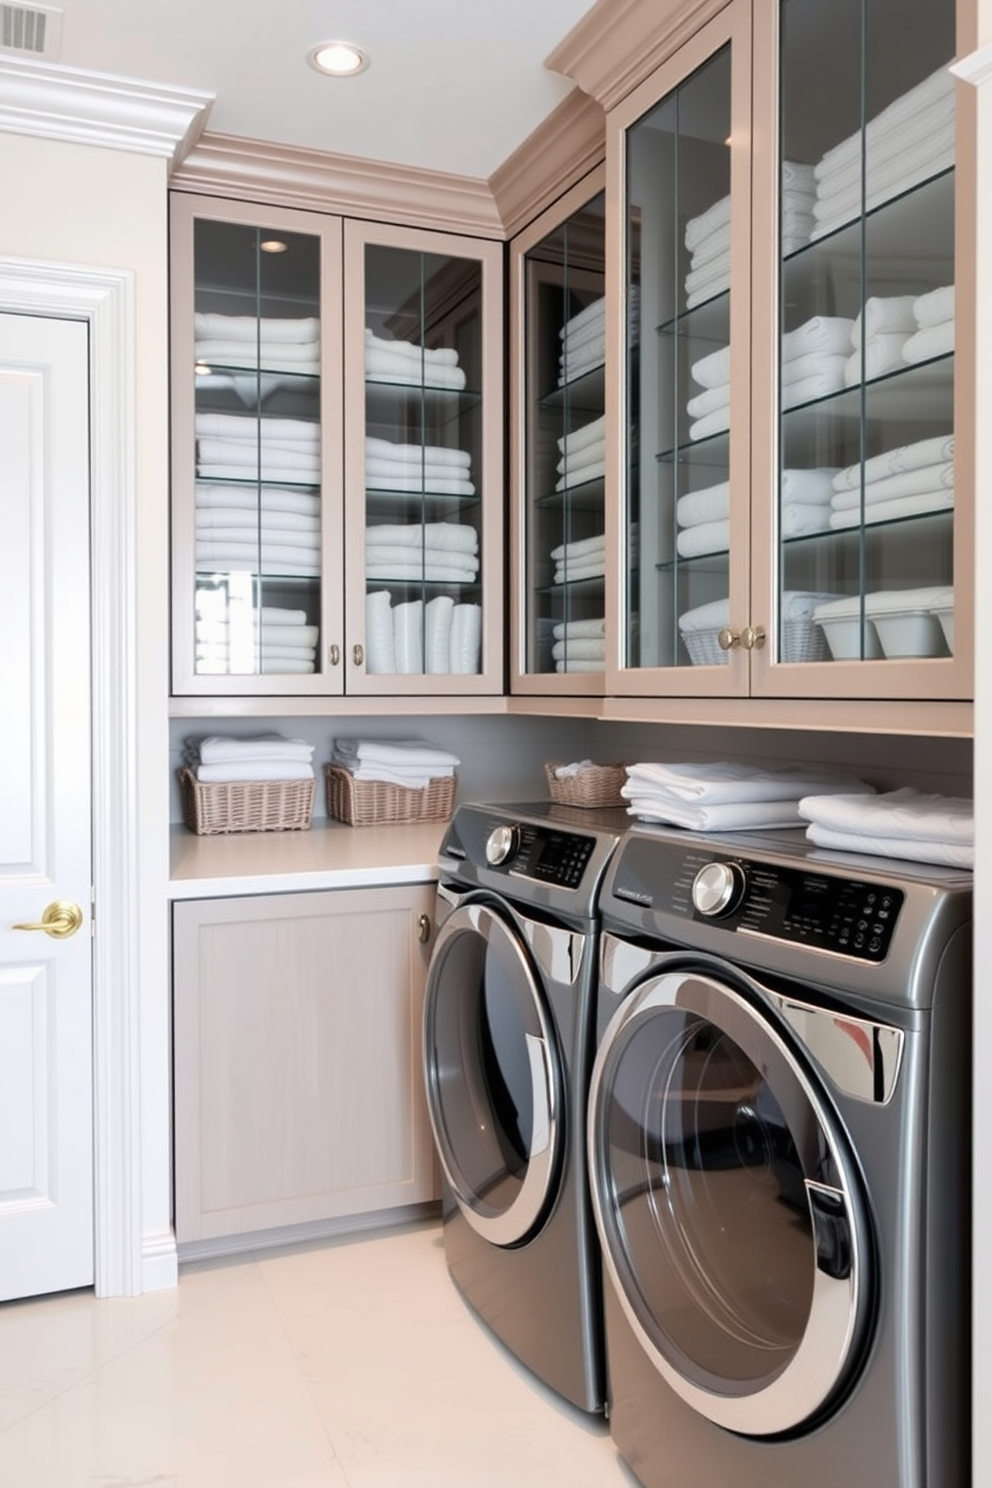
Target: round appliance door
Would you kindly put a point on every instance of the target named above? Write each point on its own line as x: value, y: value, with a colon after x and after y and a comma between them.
x: 731, y: 1215
x: 493, y: 1075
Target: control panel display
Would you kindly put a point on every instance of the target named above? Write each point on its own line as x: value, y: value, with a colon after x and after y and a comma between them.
x: 551, y: 856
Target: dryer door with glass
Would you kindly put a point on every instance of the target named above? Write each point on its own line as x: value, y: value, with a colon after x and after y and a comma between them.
x: 493, y: 1073
x: 731, y: 1214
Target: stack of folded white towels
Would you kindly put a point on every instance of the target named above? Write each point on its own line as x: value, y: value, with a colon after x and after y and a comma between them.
x: 933, y: 331
x: 583, y: 337
x: 907, y: 823
x: 903, y: 482
x: 289, y: 345
x: 703, y: 517
x: 707, y: 237
x: 411, y: 763
x: 219, y: 759
x: 415, y: 467
x: 444, y: 552
x: 583, y: 559
x: 879, y: 335
x: 579, y: 645
x: 582, y: 454
x: 911, y: 139
x: 249, y: 641
x: 727, y: 796
x: 387, y: 360
x: 436, y: 637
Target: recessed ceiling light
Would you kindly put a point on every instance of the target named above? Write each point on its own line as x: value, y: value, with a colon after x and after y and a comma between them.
x: 337, y: 58
x: 273, y: 245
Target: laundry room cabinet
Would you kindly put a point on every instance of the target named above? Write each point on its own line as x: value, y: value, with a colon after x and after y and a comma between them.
x: 795, y: 509
x: 337, y: 484
x: 298, y: 1074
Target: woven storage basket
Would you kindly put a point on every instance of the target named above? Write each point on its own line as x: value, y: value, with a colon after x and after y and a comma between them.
x: 802, y: 640
x: 373, y: 803
x: 597, y: 785
x: 246, y: 805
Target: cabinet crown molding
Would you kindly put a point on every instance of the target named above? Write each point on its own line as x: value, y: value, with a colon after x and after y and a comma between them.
x: 92, y: 108
x: 569, y: 144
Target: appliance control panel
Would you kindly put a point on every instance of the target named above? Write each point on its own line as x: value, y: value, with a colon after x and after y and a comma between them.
x: 550, y: 856
x: 519, y: 848
x: 804, y: 906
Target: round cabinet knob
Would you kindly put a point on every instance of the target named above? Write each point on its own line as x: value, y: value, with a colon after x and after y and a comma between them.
x: 727, y: 638
x: 501, y: 844
x: 753, y: 637
x: 718, y: 888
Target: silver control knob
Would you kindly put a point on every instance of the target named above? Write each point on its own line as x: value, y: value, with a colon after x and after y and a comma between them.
x: 501, y: 844
x: 718, y: 888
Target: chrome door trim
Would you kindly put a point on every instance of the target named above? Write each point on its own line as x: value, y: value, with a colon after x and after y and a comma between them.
x: 515, y: 1223
x: 840, y: 1295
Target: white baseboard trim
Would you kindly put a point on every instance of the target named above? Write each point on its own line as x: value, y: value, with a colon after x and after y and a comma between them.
x: 159, y: 1262
x: 306, y: 1234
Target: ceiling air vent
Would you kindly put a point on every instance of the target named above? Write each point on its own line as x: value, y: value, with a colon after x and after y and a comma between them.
x: 31, y: 31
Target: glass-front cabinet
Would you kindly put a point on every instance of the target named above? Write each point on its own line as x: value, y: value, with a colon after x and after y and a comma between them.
x: 558, y: 481
x: 793, y: 521
x: 424, y: 413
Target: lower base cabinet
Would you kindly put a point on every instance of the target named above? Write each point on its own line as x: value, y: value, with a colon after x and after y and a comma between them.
x: 298, y: 1085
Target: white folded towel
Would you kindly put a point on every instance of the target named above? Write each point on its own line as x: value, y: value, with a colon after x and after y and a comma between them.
x: 300, y: 433
x: 441, y: 573
x: 902, y: 483
x: 408, y: 554
x: 380, y: 648
x: 740, y: 816
x: 208, y: 518
x: 450, y: 537
x: 711, y: 423
x: 273, y: 356
x: 882, y: 315
x: 437, y: 634
x: 908, y: 813
x: 259, y: 769
x: 219, y: 633
x: 890, y: 511
x: 577, y: 475
x: 579, y: 650
x: 408, y: 636
x: 830, y: 334
x: 934, y: 451
x: 252, y: 455
x: 820, y: 384
x: 387, y: 366
x: 574, y: 573
x: 466, y: 639
x: 207, y: 325
x: 589, y: 434
x: 582, y: 548
x: 220, y: 749
x: 879, y: 355
x: 892, y: 121
x: 705, y: 537
x: 438, y: 485
x: 708, y: 401
x: 712, y: 616
x: 578, y: 665
x: 713, y: 370
x: 799, y: 519
x: 916, y: 850
x: 267, y: 498
x: 273, y: 535
x: 396, y: 753
x: 438, y: 356
x: 728, y: 781
x: 813, y: 486
x: 386, y: 475
x: 934, y: 307
x: 697, y: 229
x: 583, y: 629
x: 935, y: 341
x: 270, y: 474
x: 414, y: 454
x: 712, y: 504
x: 244, y: 558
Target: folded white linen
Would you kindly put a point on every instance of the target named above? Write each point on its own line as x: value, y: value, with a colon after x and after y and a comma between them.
x: 590, y: 454
x: 711, y: 279
x: 436, y: 356
x: 437, y: 634
x: 879, y: 355
x: 239, y: 426
x: 577, y: 439
x: 574, y: 573
x: 436, y: 454
x: 799, y: 519
x: 705, y: 537
x: 908, y: 813
x: 447, y: 486
x: 205, y: 668
x: 252, y: 455
x: 210, y: 325
x: 398, y: 754
x: 578, y: 665
x: 882, y: 315
x: 711, y: 423
x: 891, y: 511
x: 408, y: 636
x: 891, y: 121
x: 578, y: 364
x: 271, y: 616
x: 431, y: 573
x: 217, y: 496
x: 715, y: 245
x: 244, y: 557
x: 829, y: 379
x: 219, y: 632
x: 699, y: 228
x: 579, y: 650
x: 578, y: 344
x: 934, y: 307
x: 207, y: 518
x: 922, y: 452
x: 595, y: 311
x: 902, y: 483
x: 466, y: 639
x: 386, y: 475
x: 258, y: 769
x: 579, y: 629
x: 915, y: 850
x: 380, y: 649
x: 285, y: 665
x: 386, y: 366
x: 405, y: 553
x: 795, y: 225
x: 577, y: 475
x: 881, y: 158
x: 220, y: 646
x: 708, y: 401
x: 712, y: 616
x: 830, y: 334
x: 405, y: 778
x: 712, y: 370
x: 812, y: 364
x: 272, y: 535
x: 438, y: 537
x: 714, y: 783
x: 272, y: 356
x: 269, y: 474
x: 581, y: 547
x: 712, y: 504
x: 734, y: 817
x: 808, y: 487
x: 220, y: 749
x: 916, y: 163
x: 935, y: 341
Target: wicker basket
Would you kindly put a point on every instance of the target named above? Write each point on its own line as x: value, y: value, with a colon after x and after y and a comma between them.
x: 802, y: 640
x: 596, y: 785
x: 374, y: 803
x: 246, y: 805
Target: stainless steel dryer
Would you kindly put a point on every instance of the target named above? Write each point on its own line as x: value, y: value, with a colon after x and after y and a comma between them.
x: 508, y: 1046
x: 779, y: 1157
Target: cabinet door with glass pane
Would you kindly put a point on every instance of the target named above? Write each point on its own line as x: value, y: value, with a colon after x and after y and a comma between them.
x: 558, y: 486
x: 871, y: 498
x: 256, y: 466
x: 679, y: 146
x: 424, y: 468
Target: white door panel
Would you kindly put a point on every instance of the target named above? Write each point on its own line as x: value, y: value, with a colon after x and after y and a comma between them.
x: 46, y: 1119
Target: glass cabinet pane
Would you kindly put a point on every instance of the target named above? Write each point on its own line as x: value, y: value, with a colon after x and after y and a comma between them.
x: 866, y: 353
x: 423, y: 462
x: 677, y: 416
x: 565, y: 446
x: 258, y: 450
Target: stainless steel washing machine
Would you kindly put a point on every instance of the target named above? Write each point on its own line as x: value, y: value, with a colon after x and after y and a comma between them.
x: 508, y: 1046
x: 779, y: 1162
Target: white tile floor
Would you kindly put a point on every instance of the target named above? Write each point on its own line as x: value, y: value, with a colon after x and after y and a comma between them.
x: 349, y: 1364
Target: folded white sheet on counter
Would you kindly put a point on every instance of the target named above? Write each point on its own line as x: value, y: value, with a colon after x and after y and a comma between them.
x: 731, y: 781
x: 903, y: 823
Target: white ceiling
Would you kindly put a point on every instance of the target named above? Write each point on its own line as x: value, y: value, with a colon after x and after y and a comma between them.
x: 454, y: 85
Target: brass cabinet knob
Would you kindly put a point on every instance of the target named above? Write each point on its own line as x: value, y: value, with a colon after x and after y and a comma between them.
x: 424, y: 929
x: 753, y: 637
x: 727, y: 638
x: 60, y: 919
x: 357, y: 655
x: 334, y: 654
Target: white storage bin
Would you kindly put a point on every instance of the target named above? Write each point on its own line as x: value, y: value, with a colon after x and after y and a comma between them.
x: 840, y: 621
x: 943, y: 608
x: 905, y: 624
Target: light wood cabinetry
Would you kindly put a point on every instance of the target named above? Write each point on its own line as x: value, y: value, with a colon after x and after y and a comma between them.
x: 298, y: 1083
x: 337, y: 471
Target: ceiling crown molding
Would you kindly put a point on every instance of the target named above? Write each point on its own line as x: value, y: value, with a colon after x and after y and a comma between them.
x: 567, y: 146
x: 93, y: 108
x: 619, y: 43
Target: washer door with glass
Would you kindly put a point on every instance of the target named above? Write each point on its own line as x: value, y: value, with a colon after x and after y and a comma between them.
x: 493, y: 1074
x: 731, y: 1215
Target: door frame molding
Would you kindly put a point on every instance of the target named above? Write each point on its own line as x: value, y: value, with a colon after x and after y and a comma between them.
x: 104, y: 299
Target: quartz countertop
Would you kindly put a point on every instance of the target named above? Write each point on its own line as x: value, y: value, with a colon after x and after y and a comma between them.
x: 330, y: 855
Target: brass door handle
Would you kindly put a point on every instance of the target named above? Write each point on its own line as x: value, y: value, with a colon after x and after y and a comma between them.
x: 60, y: 919
x: 424, y: 928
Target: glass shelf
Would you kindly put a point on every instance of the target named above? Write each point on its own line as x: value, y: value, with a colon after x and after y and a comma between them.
x: 584, y: 394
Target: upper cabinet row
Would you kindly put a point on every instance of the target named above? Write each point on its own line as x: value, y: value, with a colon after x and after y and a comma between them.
x: 740, y: 455
x: 337, y: 456
x: 743, y: 456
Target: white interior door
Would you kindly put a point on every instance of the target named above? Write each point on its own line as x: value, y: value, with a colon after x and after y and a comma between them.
x: 46, y: 1107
